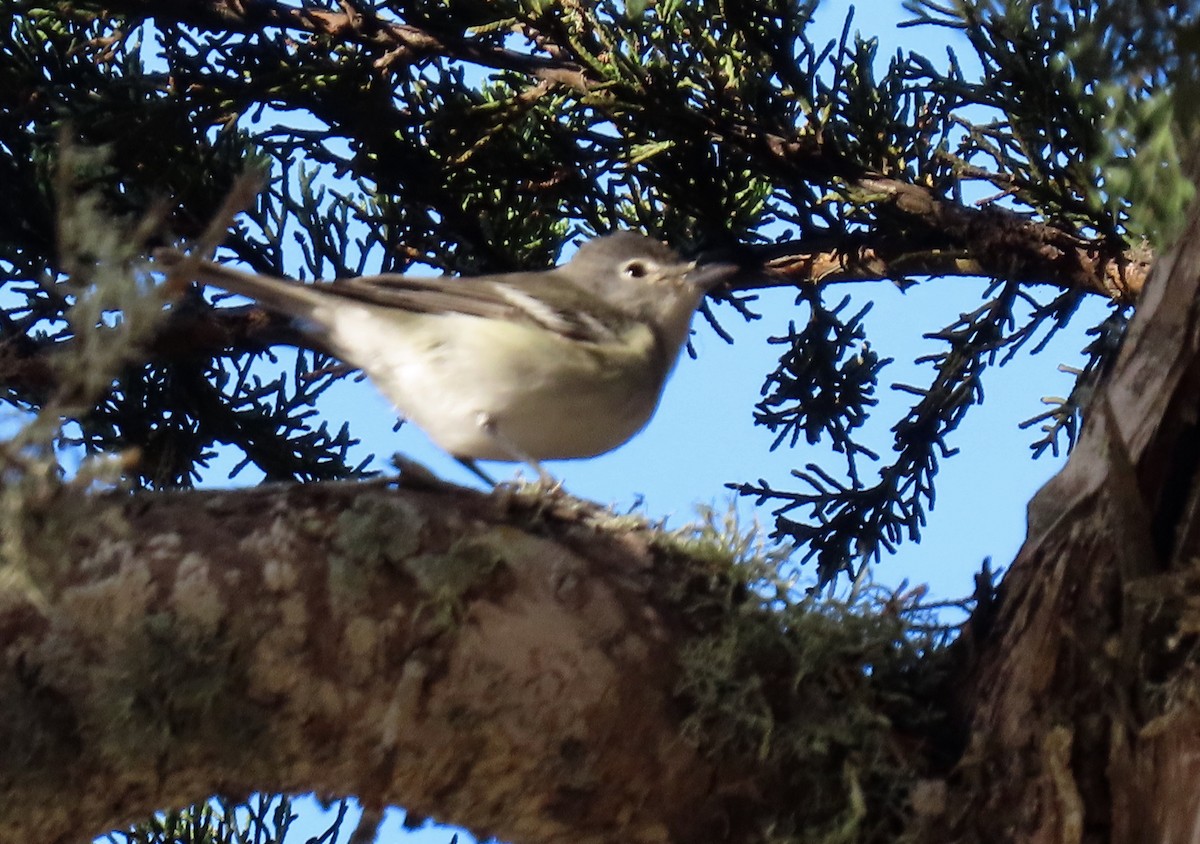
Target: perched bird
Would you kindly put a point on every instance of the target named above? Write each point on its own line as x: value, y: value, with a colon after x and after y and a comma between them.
x: 523, y: 366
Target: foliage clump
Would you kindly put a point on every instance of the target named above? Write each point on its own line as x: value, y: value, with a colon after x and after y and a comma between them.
x: 835, y: 702
x: 262, y: 819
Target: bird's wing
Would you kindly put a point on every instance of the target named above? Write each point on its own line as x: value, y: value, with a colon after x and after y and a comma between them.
x: 523, y: 298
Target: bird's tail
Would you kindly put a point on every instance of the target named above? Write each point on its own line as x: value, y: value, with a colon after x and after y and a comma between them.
x: 292, y: 298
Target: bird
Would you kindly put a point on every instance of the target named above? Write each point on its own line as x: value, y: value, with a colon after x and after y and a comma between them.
x: 563, y: 363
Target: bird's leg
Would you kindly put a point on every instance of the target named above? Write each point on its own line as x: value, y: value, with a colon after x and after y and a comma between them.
x: 473, y: 467
x: 417, y: 476
x: 488, y: 424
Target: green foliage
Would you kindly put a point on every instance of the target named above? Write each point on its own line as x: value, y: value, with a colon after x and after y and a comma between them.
x: 259, y: 820
x: 493, y: 133
x: 1099, y: 100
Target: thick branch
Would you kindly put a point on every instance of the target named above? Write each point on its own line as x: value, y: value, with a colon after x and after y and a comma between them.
x: 945, y: 238
x: 1009, y: 245
x: 409, y: 648
x: 877, y: 257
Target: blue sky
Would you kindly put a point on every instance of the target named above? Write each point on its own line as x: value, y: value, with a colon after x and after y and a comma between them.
x: 703, y: 435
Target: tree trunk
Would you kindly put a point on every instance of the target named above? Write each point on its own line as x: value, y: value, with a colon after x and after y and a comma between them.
x: 1084, y: 702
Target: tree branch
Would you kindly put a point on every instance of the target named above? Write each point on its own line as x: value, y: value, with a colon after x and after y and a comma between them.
x: 408, y: 647
x: 880, y: 257
x: 815, y: 260
x: 933, y: 235
x: 941, y: 237
x: 189, y: 333
x: 400, y: 43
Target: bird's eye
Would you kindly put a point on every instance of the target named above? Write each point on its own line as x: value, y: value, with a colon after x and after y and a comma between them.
x: 635, y: 269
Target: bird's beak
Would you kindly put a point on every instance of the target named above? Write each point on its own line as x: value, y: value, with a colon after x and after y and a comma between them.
x: 710, y: 276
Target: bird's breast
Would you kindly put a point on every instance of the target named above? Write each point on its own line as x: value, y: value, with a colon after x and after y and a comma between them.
x: 548, y: 396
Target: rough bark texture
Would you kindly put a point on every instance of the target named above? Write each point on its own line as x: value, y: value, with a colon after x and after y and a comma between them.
x: 412, y: 647
x: 1085, y: 724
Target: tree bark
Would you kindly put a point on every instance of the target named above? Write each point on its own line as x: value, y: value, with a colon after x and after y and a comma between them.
x: 474, y: 658
x: 1083, y: 703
